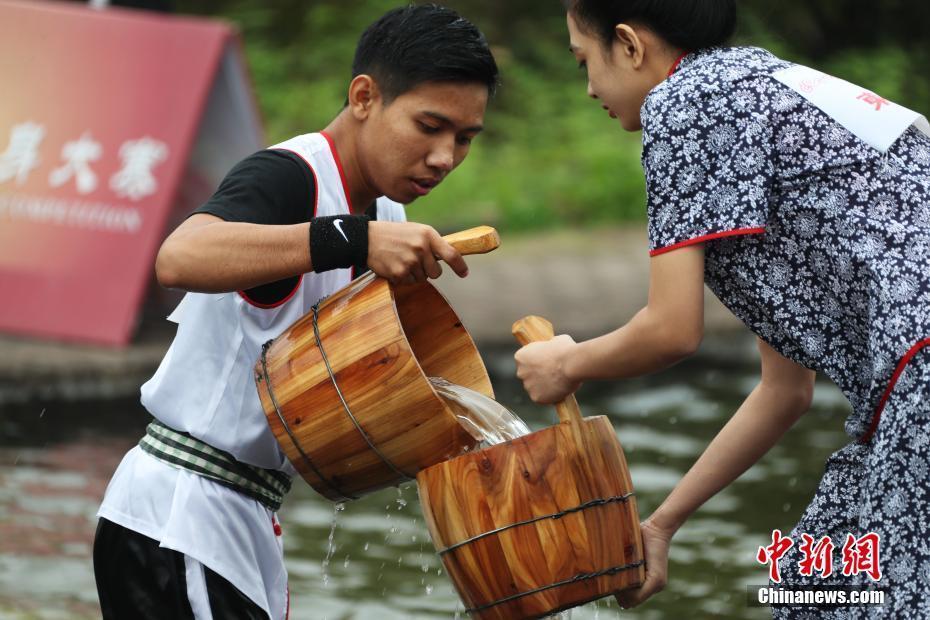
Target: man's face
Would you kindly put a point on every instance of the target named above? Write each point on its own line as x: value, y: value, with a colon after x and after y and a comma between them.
x: 408, y: 146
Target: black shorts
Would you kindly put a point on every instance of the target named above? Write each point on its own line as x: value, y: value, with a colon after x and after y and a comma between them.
x: 137, y: 579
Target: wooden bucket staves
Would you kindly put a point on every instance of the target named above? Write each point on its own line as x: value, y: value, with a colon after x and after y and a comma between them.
x: 346, y: 392
x: 539, y: 524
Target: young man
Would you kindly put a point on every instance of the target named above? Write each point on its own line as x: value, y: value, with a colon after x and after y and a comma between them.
x: 188, y: 528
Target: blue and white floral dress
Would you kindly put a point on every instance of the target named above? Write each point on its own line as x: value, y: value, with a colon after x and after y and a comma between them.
x: 820, y: 244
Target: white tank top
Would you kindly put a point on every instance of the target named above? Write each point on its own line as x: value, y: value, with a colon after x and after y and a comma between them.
x: 205, y: 386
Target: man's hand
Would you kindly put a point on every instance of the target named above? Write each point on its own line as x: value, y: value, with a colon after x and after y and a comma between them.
x: 655, y: 543
x: 406, y: 252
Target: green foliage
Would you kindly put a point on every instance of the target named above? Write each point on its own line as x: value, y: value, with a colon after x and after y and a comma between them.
x: 549, y: 156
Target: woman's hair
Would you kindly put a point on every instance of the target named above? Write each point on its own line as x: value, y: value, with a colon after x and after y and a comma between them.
x: 685, y: 24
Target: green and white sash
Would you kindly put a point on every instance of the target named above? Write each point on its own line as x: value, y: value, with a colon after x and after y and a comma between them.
x: 185, y: 452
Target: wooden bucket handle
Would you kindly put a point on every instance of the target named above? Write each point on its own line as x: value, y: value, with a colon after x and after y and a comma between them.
x: 535, y: 329
x: 478, y: 240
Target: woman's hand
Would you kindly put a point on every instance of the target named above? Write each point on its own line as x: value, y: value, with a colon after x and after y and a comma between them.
x: 655, y: 543
x: 541, y: 367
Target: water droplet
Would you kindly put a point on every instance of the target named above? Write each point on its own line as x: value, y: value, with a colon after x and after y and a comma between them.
x: 366, y: 546
x: 429, y: 589
x: 331, y: 546
x: 673, y: 420
x: 786, y: 507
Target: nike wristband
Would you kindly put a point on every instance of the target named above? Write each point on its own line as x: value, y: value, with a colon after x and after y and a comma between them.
x: 338, y: 241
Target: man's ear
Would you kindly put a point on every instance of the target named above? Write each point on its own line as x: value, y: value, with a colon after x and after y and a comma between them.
x: 629, y: 45
x: 363, y: 94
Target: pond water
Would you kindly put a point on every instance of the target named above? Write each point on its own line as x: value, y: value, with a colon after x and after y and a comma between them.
x: 378, y: 561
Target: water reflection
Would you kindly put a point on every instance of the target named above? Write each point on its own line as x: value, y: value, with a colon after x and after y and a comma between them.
x: 378, y: 560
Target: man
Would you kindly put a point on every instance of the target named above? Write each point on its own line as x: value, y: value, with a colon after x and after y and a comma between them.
x: 188, y: 528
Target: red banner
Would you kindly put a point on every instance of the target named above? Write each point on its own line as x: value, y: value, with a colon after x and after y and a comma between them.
x: 100, y: 112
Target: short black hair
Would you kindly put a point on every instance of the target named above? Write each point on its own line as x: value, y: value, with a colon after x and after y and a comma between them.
x: 411, y: 45
x: 685, y: 24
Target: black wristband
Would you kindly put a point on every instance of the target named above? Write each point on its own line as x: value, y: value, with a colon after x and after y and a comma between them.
x: 338, y: 241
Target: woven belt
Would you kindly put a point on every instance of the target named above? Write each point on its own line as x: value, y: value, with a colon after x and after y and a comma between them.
x: 180, y: 450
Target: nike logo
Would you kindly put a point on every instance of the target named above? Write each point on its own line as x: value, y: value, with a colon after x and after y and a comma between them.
x: 338, y: 224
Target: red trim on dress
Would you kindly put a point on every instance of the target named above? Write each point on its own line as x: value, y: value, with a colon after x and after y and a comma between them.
x: 316, y: 205
x: 710, y: 237
x: 342, y: 173
x: 876, y: 417
x: 677, y: 62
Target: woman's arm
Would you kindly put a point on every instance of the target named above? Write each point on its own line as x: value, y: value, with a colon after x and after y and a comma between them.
x: 667, y: 330
x: 208, y: 254
x: 782, y: 396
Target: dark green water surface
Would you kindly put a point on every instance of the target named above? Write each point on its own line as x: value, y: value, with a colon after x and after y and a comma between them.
x: 378, y: 561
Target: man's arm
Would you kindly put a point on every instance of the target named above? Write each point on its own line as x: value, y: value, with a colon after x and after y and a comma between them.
x: 208, y: 254
x: 782, y: 396
x: 667, y: 330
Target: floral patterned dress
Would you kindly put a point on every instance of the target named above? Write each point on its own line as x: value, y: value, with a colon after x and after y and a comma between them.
x: 820, y: 244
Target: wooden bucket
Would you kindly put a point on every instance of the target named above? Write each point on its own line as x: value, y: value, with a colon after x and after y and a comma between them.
x: 345, y: 388
x: 539, y: 524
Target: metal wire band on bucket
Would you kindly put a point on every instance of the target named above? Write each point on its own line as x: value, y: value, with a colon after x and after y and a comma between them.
x: 345, y: 405
x: 579, y: 577
x: 555, y: 515
x: 274, y: 401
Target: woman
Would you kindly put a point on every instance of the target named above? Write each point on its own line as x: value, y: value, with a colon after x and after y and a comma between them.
x: 803, y: 202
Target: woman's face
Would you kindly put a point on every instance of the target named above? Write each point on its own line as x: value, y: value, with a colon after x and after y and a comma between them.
x: 617, y: 76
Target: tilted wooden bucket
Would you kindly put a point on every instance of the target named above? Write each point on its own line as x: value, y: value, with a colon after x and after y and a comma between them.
x: 345, y: 388
x: 539, y: 524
